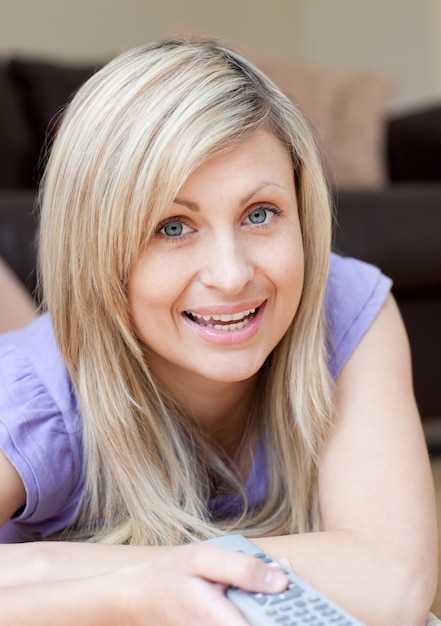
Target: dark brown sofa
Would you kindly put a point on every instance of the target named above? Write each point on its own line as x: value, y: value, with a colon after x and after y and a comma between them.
x: 399, y: 230
x: 397, y: 227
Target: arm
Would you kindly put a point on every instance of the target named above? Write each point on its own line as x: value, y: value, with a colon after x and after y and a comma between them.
x: 377, y: 554
x: 113, y: 585
x: 16, y: 308
x: 55, y: 561
x: 181, y: 588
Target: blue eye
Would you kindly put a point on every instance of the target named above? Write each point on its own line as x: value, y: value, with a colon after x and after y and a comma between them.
x: 174, y: 228
x: 262, y: 214
x: 258, y: 216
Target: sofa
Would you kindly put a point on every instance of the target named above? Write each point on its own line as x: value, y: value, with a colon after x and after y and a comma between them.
x: 389, y: 215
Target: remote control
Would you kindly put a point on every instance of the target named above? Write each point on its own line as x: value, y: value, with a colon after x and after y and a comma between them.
x: 299, y: 605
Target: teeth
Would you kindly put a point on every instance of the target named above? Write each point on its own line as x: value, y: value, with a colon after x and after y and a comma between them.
x: 237, y: 326
x: 234, y: 317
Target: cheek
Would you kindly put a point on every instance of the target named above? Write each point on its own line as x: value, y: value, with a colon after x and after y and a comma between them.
x: 152, y: 290
x: 142, y: 290
x: 287, y: 276
x: 291, y: 264
x: 287, y: 263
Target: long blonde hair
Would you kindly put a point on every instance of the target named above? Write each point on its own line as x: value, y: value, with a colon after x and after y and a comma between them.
x: 128, y: 141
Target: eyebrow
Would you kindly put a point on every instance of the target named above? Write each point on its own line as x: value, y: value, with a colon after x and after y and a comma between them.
x: 193, y: 206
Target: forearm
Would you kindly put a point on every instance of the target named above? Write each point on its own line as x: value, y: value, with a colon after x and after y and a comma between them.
x: 370, y: 579
x: 88, y: 601
x: 139, y: 595
x: 57, y: 561
x: 378, y: 555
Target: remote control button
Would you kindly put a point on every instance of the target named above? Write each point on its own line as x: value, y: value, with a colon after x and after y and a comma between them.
x: 293, y: 587
x: 264, y: 557
x: 313, y: 598
x: 260, y: 598
x: 271, y: 611
x: 289, y: 594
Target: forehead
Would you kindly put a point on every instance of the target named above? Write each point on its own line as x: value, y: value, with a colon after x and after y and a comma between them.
x: 261, y: 156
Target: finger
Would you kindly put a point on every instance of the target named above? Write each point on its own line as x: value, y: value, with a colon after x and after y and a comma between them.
x: 215, y: 609
x: 235, y: 568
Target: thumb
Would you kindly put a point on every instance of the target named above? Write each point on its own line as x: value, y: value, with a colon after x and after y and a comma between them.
x: 285, y: 563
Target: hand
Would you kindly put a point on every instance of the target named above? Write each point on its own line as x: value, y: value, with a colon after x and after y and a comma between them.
x: 186, y: 587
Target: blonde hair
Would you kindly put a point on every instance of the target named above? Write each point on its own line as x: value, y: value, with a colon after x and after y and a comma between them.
x: 128, y: 141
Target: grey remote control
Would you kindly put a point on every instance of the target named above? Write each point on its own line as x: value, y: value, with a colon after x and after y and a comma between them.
x: 299, y: 605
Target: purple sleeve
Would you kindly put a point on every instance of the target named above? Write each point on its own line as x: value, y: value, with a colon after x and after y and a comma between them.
x: 40, y: 432
x: 355, y: 293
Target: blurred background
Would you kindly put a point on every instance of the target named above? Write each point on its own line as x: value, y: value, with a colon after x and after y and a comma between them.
x: 401, y: 38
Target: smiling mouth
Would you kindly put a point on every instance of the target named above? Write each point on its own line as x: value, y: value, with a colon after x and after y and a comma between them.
x: 233, y: 321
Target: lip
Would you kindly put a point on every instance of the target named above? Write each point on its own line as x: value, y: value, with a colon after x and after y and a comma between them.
x: 228, y: 337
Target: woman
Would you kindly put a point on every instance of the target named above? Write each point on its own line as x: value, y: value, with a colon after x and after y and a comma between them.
x: 207, y: 367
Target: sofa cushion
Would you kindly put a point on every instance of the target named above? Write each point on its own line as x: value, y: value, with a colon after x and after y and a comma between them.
x: 45, y: 88
x: 414, y: 145
x: 18, y: 234
x: 18, y: 147
x: 347, y: 109
x: 396, y: 228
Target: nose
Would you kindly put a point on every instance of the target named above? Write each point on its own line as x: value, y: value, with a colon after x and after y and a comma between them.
x: 227, y: 265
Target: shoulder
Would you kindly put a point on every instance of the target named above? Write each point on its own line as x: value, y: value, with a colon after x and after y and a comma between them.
x: 35, y: 349
x: 355, y: 293
x: 40, y: 426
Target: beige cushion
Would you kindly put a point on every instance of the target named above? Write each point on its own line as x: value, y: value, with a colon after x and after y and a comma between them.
x: 347, y: 110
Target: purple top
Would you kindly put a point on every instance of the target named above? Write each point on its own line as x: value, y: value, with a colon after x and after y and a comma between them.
x: 40, y: 425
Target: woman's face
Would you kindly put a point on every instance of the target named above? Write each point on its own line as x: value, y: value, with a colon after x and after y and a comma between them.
x: 220, y: 281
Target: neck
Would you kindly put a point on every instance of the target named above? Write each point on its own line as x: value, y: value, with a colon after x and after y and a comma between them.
x: 222, y: 410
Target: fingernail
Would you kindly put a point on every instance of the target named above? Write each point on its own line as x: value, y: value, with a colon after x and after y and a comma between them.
x: 274, y: 579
